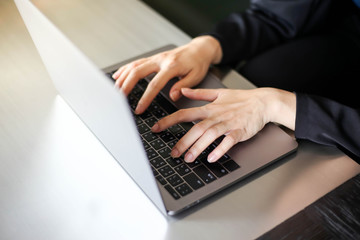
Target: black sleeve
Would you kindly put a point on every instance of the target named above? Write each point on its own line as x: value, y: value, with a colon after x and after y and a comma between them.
x: 267, y: 23
x: 329, y: 123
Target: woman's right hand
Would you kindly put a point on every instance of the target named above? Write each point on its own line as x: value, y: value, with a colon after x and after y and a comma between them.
x: 189, y: 63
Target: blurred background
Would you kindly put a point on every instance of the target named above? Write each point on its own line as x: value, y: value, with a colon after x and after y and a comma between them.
x: 196, y: 16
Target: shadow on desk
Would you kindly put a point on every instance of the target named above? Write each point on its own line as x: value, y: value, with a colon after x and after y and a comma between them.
x: 334, y: 216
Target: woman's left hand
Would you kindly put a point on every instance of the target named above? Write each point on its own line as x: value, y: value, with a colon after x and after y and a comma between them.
x: 237, y: 114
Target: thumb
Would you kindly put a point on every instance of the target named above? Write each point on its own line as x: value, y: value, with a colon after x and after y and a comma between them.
x: 209, y: 95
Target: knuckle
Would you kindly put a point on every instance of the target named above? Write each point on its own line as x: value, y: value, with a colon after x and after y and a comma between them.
x: 212, y: 132
x: 221, y: 149
x: 195, y: 150
x: 228, y: 115
x: 181, y: 114
x: 133, y: 65
x: 200, y: 127
x: 180, y: 145
x: 172, y: 60
x: 135, y: 71
x: 232, y: 139
x: 153, y: 84
x: 211, y: 110
x: 171, y: 63
x: 208, y: 107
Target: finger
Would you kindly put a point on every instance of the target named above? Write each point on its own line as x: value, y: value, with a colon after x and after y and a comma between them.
x: 210, y: 135
x: 121, y: 74
x: 118, y: 72
x: 201, y: 94
x: 190, y: 80
x: 122, y: 77
x: 136, y: 74
x: 228, y: 142
x: 153, y: 88
x: 189, y: 139
x: 183, y: 115
x: 118, y: 76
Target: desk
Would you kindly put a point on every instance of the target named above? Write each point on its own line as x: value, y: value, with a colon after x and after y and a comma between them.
x: 58, y: 182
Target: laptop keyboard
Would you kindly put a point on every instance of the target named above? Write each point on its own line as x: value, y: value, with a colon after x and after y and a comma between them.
x: 178, y: 177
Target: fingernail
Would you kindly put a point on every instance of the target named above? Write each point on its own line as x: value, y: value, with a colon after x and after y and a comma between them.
x: 189, y: 157
x: 175, y: 153
x: 115, y: 75
x: 185, y: 89
x: 138, y: 108
x: 155, y: 128
x: 211, y: 158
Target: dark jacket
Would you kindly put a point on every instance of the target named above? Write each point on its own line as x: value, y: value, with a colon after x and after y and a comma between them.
x: 268, y: 23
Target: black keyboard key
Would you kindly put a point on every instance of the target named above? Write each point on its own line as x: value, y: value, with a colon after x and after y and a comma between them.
x: 149, y: 136
x: 183, y: 189
x: 217, y: 169
x: 175, y: 129
x: 157, y: 144
x: 165, y: 152
x: 161, y: 180
x: 137, y: 92
x: 182, y: 169
x: 138, y: 120
x: 132, y: 99
x: 231, y: 165
x: 143, y: 83
x: 179, y: 135
x: 145, y: 115
x: 145, y: 144
x: 153, y: 107
x: 157, y: 162
x: 211, y: 147
x: 224, y: 158
x: 133, y: 106
x: 172, y: 192
x: 154, y: 172
x: 187, y: 125
x: 175, y: 180
x: 166, y: 171
x: 167, y: 136
x: 150, y: 121
x: 151, y: 153
x: 194, y: 163
x: 174, y: 161
x: 166, y: 104
x: 194, y: 181
x: 172, y: 144
x: 159, y: 113
x: 203, y: 156
x: 219, y: 139
x: 142, y: 128
x: 204, y: 174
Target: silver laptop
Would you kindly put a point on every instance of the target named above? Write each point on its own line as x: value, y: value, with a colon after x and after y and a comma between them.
x: 171, y: 184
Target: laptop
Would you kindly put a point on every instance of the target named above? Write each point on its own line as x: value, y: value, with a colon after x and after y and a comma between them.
x: 171, y: 184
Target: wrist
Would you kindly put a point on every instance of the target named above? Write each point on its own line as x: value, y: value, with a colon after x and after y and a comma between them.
x: 210, y: 47
x: 282, y: 107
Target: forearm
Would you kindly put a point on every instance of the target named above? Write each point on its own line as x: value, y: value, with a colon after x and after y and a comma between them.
x: 267, y: 23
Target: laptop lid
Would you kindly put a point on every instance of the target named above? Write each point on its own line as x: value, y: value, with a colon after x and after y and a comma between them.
x: 76, y: 78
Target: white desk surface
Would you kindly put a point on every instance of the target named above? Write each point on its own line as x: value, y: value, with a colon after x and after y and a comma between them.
x: 58, y: 182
